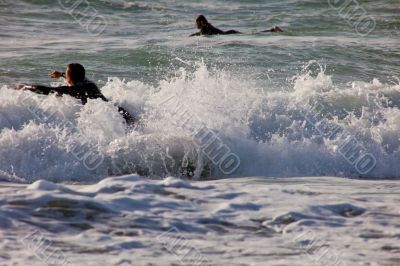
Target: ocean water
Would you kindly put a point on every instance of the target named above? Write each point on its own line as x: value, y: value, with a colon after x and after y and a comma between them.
x: 269, y: 127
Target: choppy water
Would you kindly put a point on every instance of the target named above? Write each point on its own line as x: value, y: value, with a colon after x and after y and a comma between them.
x: 320, y: 99
x: 258, y: 92
x: 248, y: 221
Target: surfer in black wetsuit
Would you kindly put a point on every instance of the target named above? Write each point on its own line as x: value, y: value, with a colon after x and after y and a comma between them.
x: 78, y: 87
x: 207, y: 29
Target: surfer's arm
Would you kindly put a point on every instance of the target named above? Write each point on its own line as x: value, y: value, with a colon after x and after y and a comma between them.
x: 195, y: 34
x: 47, y: 90
x: 37, y: 89
x: 232, y: 32
x: 56, y: 74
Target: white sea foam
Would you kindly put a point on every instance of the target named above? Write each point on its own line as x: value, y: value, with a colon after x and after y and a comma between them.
x: 41, y: 137
x: 130, y: 220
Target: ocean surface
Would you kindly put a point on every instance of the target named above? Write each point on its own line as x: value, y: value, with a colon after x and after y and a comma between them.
x: 274, y: 130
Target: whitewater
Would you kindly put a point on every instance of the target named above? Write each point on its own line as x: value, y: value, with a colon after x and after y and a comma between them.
x: 86, y: 197
x: 252, y: 149
x: 306, y: 130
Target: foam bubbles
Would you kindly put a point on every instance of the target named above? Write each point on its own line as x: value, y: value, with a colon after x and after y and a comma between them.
x: 56, y: 138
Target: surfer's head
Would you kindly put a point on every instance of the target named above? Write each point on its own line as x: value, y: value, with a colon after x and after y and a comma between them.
x: 75, y: 73
x: 201, y: 21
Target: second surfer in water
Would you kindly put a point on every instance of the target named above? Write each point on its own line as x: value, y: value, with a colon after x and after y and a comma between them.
x: 206, y: 28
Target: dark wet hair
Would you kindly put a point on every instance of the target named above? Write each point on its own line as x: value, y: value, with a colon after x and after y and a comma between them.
x: 201, y: 19
x: 77, y: 72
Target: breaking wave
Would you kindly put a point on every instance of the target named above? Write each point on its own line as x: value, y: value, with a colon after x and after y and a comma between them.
x: 205, y: 123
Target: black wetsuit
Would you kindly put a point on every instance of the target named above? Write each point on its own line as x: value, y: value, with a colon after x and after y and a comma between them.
x: 82, y: 91
x: 209, y: 29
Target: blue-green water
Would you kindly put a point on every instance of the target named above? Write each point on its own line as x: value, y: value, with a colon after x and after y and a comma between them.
x: 141, y: 38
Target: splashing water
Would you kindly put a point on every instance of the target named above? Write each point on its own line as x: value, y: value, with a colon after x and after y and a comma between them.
x: 51, y: 137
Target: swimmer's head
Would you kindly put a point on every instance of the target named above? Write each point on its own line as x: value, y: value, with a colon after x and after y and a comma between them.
x: 75, y: 73
x: 201, y: 21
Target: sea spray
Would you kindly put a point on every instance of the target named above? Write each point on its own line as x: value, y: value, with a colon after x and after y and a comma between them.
x: 268, y: 131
